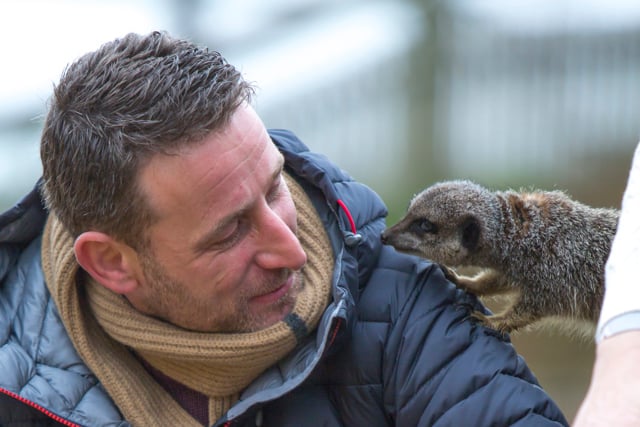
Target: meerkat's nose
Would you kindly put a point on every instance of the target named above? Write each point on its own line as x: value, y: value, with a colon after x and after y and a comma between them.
x: 383, y: 237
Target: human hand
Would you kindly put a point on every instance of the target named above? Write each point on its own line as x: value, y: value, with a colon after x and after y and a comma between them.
x: 613, y: 398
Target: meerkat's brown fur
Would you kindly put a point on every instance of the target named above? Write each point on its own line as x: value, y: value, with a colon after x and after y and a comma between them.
x: 546, y: 248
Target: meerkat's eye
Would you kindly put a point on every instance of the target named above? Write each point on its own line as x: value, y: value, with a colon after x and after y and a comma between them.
x: 422, y: 226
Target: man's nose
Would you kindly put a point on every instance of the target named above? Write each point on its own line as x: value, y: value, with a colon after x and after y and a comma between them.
x: 279, y: 246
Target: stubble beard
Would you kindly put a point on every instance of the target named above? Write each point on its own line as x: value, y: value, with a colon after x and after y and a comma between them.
x: 172, y: 303
x: 282, y: 307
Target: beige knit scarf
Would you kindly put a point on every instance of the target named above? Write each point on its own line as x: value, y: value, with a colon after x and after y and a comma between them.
x: 104, y: 329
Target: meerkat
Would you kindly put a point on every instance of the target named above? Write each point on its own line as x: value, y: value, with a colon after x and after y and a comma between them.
x: 546, y: 249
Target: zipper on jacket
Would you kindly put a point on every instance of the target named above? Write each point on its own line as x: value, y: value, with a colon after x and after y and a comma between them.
x: 39, y: 408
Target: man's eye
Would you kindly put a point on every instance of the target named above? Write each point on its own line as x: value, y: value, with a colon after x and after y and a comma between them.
x: 276, y: 189
x: 229, y: 236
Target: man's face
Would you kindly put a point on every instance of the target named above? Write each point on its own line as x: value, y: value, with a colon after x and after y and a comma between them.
x: 223, y: 255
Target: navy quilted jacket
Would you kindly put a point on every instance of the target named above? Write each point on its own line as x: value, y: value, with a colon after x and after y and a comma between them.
x: 395, y: 347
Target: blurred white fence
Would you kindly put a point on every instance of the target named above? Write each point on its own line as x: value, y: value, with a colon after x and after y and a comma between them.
x: 529, y: 94
x: 520, y: 87
x: 340, y: 81
x: 336, y: 75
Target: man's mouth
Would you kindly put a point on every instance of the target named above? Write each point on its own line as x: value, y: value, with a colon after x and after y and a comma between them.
x: 276, y: 294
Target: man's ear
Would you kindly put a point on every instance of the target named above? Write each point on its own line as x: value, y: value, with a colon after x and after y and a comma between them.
x: 111, y: 263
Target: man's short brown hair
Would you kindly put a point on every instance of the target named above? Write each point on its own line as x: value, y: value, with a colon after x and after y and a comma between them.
x: 112, y: 110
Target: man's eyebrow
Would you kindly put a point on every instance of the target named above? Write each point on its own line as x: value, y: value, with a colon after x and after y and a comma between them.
x: 211, y: 236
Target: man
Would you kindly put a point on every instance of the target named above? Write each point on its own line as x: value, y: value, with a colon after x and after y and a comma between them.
x: 199, y: 270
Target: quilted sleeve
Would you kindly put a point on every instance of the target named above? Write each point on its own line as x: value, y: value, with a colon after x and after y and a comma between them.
x: 443, y: 369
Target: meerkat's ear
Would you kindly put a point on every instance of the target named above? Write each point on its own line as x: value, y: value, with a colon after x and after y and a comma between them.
x: 470, y: 233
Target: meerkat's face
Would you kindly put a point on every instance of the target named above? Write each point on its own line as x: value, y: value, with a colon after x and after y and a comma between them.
x: 440, y: 225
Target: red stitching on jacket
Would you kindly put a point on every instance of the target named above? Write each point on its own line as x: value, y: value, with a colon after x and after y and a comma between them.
x: 335, y: 332
x: 39, y: 408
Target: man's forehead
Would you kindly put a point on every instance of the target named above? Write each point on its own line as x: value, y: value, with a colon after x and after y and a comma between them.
x: 209, y: 171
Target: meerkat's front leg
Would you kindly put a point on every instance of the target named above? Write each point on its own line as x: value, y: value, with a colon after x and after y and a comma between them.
x: 517, y: 316
x: 487, y: 282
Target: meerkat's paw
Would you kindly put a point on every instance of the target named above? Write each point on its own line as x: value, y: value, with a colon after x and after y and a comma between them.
x: 496, y: 322
x: 500, y: 325
x: 449, y: 273
x: 463, y: 282
x: 510, y: 320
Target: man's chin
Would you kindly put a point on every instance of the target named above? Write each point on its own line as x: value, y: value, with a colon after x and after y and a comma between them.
x: 276, y: 313
x: 267, y: 310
